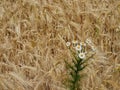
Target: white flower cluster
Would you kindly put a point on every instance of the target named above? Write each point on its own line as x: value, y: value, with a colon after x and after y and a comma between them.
x: 80, y: 47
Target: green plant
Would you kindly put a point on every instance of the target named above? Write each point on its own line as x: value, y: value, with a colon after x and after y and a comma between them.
x: 79, y: 62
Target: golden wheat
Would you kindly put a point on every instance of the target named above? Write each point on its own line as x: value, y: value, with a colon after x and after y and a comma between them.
x: 32, y: 42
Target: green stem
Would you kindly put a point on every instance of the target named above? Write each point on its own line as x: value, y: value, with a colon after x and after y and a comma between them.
x: 75, y: 78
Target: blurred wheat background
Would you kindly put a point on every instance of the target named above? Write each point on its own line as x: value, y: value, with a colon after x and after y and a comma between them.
x: 32, y: 42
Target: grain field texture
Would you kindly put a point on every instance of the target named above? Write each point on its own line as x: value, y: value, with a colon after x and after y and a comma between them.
x: 33, y: 34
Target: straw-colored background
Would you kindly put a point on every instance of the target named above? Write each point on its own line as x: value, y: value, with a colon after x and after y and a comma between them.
x: 32, y: 42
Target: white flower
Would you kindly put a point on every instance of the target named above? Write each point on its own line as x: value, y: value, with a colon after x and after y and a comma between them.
x: 88, y: 41
x: 82, y: 44
x: 75, y: 43
x: 93, y: 48
x: 68, y: 44
x: 81, y: 55
x: 78, y: 48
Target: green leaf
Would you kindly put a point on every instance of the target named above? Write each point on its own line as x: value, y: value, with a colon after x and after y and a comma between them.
x: 81, y: 68
x: 74, y: 61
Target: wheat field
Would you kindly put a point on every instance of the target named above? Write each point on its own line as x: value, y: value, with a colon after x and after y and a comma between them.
x: 33, y: 34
